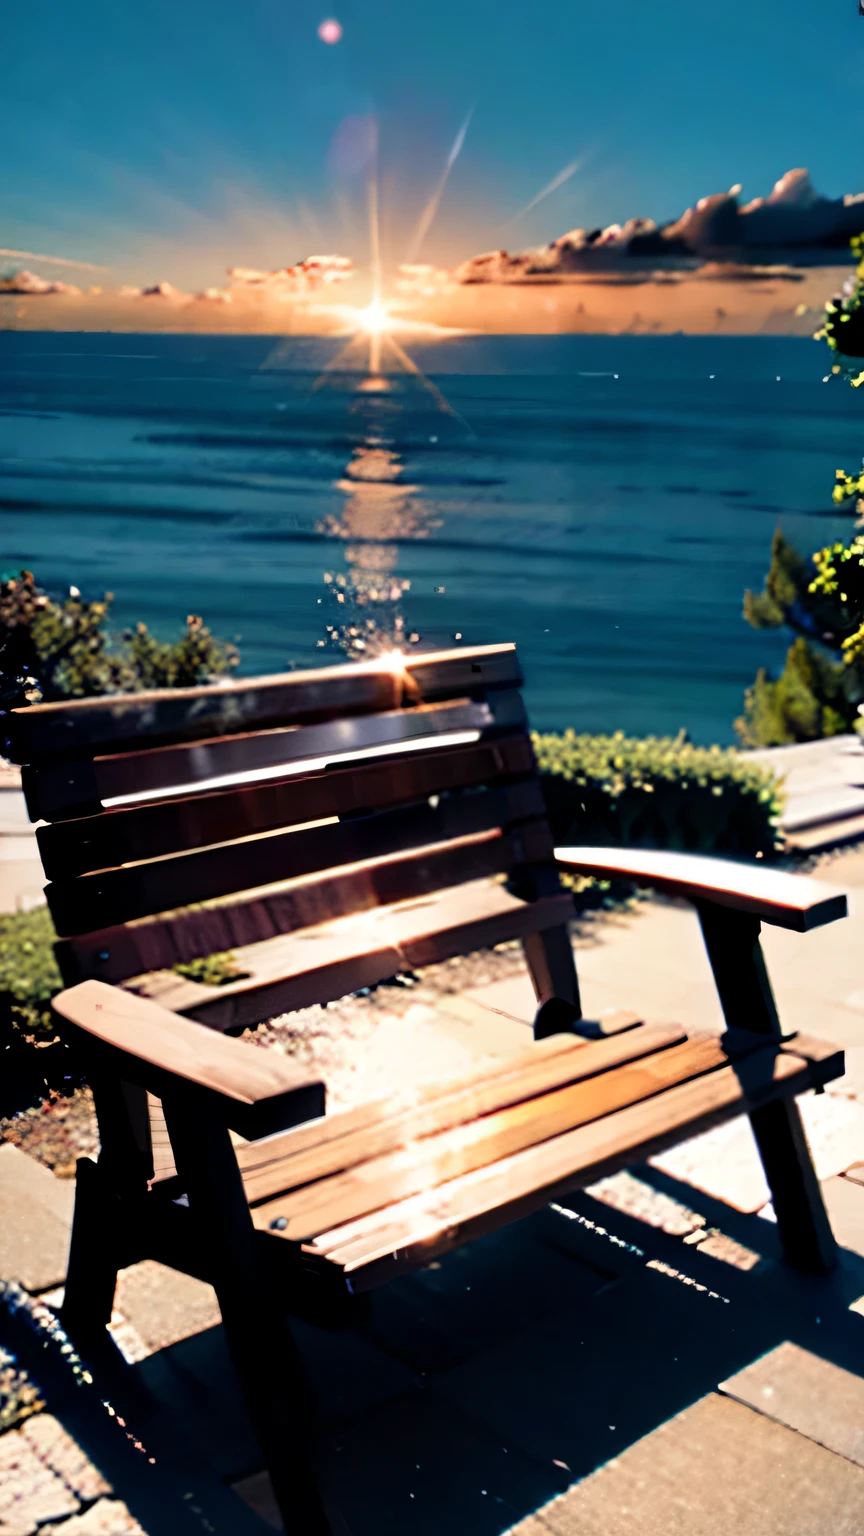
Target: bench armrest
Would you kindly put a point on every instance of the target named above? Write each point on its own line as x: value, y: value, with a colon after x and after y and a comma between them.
x: 253, y: 1091
x: 787, y: 901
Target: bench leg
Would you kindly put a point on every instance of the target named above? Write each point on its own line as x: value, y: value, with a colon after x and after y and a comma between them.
x: 802, y: 1219
x: 258, y: 1334
x: 549, y: 956
x: 743, y: 986
x: 91, y: 1275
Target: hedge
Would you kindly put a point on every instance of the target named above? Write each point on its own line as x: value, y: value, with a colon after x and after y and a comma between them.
x: 658, y: 792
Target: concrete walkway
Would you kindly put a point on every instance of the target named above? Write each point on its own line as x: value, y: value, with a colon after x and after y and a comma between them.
x: 823, y: 785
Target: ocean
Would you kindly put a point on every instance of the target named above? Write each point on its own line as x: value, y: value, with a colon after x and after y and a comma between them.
x: 603, y: 501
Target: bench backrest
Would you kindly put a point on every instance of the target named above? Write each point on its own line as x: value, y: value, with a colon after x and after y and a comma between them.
x: 341, y: 788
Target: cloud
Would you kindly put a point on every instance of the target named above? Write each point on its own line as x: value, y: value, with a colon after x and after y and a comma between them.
x: 425, y: 281
x: 305, y: 276
x: 25, y: 282
x: 793, y: 224
x: 56, y: 261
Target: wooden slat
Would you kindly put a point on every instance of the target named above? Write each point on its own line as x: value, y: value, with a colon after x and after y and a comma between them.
x: 41, y: 732
x: 787, y: 901
x: 531, y: 1073
x: 160, y: 1142
x: 115, y: 896
x: 317, y: 966
x: 252, y: 1090
x: 330, y: 1128
x: 58, y: 791
x: 434, y: 1159
x: 116, y: 953
x: 124, y: 836
x: 410, y: 1234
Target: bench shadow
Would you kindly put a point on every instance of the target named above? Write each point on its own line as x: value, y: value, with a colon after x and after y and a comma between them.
x: 476, y: 1390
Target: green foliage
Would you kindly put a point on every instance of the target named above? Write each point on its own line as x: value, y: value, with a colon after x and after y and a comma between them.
x: 660, y: 792
x: 28, y: 971
x: 35, y: 1060
x: 212, y: 970
x: 809, y: 700
x: 63, y: 650
x: 786, y: 583
x: 843, y: 326
x: 821, y: 599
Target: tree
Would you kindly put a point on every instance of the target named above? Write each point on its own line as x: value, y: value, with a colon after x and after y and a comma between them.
x: 820, y: 598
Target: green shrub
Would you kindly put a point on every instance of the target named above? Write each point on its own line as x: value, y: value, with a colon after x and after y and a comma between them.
x: 660, y: 792
x: 35, y: 1059
x: 52, y: 650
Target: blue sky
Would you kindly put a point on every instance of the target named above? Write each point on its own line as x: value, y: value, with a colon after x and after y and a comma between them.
x: 171, y: 139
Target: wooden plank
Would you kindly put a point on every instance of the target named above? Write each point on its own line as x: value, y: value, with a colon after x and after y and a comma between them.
x: 116, y: 953
x: 748, y: 1071
x: 527, y: 1076
x: 787, y: 901
x: 434, y: 1159
x: 251, y: 1090
x: 124, y: 836
x: 408, y: 1235
x: 57, y: 791
x: 42, y: 732
x: 319, y: 966
x: 301, y: 1138
x: 114, y: 896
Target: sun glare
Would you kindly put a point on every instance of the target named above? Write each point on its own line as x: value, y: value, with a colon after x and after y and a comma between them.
x: 374, y: 319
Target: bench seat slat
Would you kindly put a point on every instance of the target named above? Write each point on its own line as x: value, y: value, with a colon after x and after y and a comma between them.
x: 431, y: 1160
x: 410, y: 1233
x: 43, y: 732
x: 57, y: 791
x: 125, y: 836
x: 320, y: 965
x: 258, y: 1155
x: 179, y: 880
x: 522, y: 1078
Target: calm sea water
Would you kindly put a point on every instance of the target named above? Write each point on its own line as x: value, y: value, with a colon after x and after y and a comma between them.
x: 602, y: 501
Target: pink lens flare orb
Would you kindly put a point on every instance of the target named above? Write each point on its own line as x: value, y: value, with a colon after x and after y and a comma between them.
x: 330, y: 32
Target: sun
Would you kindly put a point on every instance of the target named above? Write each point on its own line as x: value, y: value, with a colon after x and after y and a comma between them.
x: 374, y: 319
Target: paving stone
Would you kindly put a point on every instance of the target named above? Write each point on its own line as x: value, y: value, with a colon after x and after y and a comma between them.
x: 580, y: 1387
x: 35, y: 1221
x: 107, y: 1518
x: 844, y: 1201
x: 478, y: 1295
x: 806, y: 1393
x: 715, y: 1469
x: 420, y: 1467
x: 718, y: 1246
x: 162, y: 1305
x: 624, y: 1192
x: 725, y: 1162
x: 30, y: 1493
x: 58, y: 1451
x: 851, y: 1084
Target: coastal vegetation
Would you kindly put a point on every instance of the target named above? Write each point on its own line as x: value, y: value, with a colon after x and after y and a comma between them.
x: 62, y: 648
x: 657, y: 792
x: 821, y: 598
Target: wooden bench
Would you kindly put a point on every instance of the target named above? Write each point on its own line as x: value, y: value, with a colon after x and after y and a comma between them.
x: 333, y: 829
